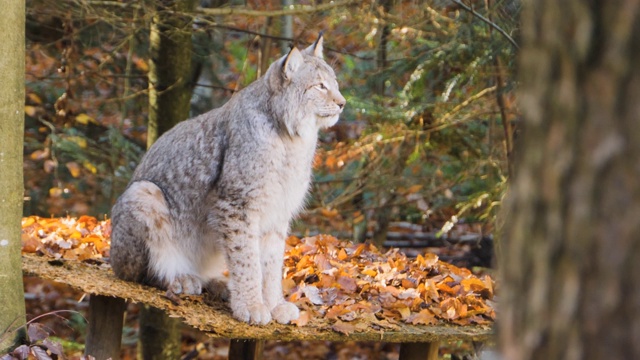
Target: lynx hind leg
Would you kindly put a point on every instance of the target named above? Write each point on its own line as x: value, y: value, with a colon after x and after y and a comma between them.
x: 213, y: 271
x: 129, y: 252
x: 144, y: 205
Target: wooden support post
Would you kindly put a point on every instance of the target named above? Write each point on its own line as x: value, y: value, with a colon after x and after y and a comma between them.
x: 106, y: 317
x: 246, y: 349
x: 419, y: 351
x: 159, y: 336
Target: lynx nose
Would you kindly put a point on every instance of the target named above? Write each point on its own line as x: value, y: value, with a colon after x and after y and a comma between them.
x: 341, y: 101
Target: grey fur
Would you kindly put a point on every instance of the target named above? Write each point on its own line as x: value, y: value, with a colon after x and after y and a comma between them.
x: 220, y: 190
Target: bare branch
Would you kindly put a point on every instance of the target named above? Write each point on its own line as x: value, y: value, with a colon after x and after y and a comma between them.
x: 300, y: 9
x: 442, y: 121
x: 281, y: 38
x: 489, y: 22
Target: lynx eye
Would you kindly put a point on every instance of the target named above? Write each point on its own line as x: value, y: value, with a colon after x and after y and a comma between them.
x: 321, y: 86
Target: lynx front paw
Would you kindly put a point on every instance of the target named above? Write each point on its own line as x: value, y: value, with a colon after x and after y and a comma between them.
x: 186, y: 284
x: 257, y: 314
x: 285, y: 312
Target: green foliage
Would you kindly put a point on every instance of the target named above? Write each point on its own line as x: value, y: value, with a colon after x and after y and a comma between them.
x: 425, y: 147
x: 434, y: 144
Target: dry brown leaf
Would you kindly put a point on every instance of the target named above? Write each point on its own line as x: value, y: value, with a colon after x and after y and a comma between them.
x: 303, y: 319
x: 327, y: 278
x: 343, y: 327
x: 424, y: 317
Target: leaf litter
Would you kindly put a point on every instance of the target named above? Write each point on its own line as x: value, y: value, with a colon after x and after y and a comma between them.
x: 349, y: 287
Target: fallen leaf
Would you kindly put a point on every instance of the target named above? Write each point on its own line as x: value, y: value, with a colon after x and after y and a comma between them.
x: 343, y: 327
x: 313, y: 294
x: 424, y: 317
x: 303, y: 319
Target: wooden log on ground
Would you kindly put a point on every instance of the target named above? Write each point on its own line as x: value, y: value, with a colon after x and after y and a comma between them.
x: 215, y: 320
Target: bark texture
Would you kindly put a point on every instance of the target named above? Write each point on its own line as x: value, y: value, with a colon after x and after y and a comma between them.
x: 170, y: 84
x: 170, y: 88
x: 104, y: 335
x: 12, y: 309
x: 571, y: 249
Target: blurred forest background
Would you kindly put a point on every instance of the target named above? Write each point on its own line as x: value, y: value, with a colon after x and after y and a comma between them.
x: 422, y: 146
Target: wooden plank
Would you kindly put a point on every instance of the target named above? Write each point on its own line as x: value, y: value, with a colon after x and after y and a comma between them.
x: 106, y: 317
x: 215, y: 319
x: 240, y: 349
x: 419, y: 351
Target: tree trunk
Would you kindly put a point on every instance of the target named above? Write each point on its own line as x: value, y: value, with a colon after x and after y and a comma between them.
x: 381, y: 52
x: 170, y: 89
x: 287, y: 27
x: 170, y: 84
x: 12, y: 315
x: 571, y: 250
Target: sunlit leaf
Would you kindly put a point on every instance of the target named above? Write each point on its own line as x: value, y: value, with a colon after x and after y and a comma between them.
x: 34, y: 98
x: 40, y: 154
x: 85, y: 119
x: 30, y: 110
x: 74, y: 168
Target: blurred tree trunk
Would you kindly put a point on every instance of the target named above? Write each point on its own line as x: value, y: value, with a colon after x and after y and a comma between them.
x: 571, y: 250
x: 287, y: 27
x: 383, y: 212
x: 170, y: 84
x: 381, y: 53
x: 265, y: 48
x: 12, y: 315
x: 170, y: 89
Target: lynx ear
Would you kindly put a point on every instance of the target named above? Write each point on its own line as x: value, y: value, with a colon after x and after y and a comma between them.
x: 316, y: 48
x: 292, y: 62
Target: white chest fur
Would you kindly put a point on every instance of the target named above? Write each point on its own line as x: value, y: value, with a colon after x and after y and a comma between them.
x: 288, y: 183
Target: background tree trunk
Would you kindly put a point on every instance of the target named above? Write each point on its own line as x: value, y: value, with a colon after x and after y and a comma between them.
x: 170, y: 89
x: 170, y: 84
x: 287, y: 27
x: 12, y: 68
x: 570, y: 265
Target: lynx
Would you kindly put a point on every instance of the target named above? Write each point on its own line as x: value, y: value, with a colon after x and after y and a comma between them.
x: 218, y: 191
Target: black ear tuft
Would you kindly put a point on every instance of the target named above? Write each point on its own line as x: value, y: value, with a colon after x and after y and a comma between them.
x: 316, y: 49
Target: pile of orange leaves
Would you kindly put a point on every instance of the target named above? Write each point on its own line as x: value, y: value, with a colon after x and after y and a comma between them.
x: 352, y: 287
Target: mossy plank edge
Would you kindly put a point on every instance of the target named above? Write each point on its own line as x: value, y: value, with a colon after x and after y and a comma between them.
x: 215, y: 319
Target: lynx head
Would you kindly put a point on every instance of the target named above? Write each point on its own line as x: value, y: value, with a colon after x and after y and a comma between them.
x: 305, y: 92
